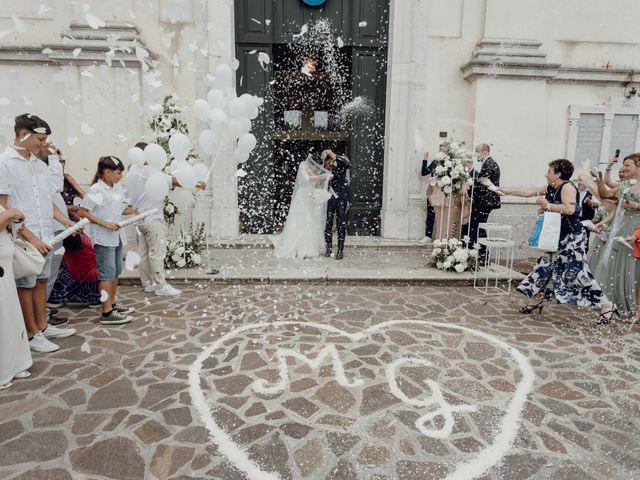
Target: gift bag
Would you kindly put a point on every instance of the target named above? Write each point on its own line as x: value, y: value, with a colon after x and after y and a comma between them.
x: 546, y: 232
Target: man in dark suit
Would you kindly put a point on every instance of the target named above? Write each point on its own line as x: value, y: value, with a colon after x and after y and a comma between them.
x: 337, y: 205
x: 588, y: 207
x: 427, y: 170
x: 484, y: 200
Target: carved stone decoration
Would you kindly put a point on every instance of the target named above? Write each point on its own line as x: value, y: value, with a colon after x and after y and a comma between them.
x: 113, y: 45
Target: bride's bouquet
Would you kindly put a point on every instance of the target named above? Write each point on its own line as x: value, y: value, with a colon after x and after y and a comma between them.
x: 451, y: 254
x: 451, y: 174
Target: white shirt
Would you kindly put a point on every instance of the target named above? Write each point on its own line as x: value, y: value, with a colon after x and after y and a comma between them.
x: 56, y: 176
x: 135, y: 182
x: 28, y: 186
x: 107, y: 203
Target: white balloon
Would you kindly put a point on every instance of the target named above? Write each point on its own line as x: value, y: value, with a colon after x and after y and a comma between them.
x: 182, y: 197
x: 246, y: 125
x: 180, y: 146
x: 157, y: 186
x: 135, y: 156
x: 236, y: 127
x: 186, y: 175
x: 252, y: 111
x: 202, y: 171
x: 218, y: 118
x: 241, y: 157
x: 216, y: 98
x: 247, y: 142
x: 155, y: 156
x: 208, y: 142
x: 237, y: 108
x: 224, y: 75
x: 201, y: 109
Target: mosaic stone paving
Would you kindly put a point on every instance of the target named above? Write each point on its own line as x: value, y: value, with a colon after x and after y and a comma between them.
x: 329, y: 382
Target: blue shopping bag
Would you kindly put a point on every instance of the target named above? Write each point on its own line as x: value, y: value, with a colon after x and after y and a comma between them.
x: 546, y: 232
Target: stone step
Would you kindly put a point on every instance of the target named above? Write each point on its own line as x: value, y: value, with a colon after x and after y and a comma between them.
x: 352, y: 243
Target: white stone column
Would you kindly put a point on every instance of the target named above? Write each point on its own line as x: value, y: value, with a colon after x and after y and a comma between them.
x: 399, y: 124
x: 223, y: 190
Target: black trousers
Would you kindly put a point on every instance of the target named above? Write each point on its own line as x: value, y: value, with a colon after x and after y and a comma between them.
x: 431, y: 220
x: 337, y: 208
x: 478, y: 216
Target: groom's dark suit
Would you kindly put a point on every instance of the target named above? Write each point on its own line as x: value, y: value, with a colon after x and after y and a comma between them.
x: 484, y: 200
x: 337, y: 205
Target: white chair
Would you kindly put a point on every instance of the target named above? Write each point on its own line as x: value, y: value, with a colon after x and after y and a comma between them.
x: 499, y: 249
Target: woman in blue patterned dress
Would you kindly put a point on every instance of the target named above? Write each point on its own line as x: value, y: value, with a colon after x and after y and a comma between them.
x: 565, y: 273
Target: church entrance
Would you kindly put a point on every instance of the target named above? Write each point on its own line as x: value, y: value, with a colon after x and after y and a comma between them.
x: 322, y: 72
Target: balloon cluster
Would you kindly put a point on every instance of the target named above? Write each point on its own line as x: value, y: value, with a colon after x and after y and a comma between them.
x: 157, y: 187
x: 229, y: 117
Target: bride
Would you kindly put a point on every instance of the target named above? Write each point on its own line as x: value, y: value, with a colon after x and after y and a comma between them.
x: 303, y: 233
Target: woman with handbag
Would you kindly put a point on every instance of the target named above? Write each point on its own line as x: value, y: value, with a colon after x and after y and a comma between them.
x: 15, y: 356
x: 634, y: 241
x: 565, y: 272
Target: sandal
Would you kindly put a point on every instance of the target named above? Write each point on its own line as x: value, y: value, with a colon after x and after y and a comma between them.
x: 22, y: 374
x: 528, y: 309
x: 5, y: 386
x: 605, y: 318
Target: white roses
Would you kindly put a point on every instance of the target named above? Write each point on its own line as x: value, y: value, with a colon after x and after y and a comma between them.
x: 452, y: 254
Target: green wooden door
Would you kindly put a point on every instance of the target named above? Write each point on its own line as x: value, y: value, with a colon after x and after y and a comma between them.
x: 363, y: 25
x: 255, y: 190
x: 367, y: 141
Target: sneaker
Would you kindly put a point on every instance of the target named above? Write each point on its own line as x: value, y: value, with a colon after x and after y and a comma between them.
x: 167, y: 290
x: 150, y: 287
x: 39, y: 343
x: 122, y: 309
x: 115, y: 318
x: 56, y: 332
x: 425, y: 241
x: 57, y: 320
x: 22, y: 374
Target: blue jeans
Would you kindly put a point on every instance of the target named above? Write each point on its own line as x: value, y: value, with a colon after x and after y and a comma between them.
x: 108, y: 262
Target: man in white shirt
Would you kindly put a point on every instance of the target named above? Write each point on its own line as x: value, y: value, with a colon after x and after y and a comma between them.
x: 153, y: 231
x: 25, y: 184
x: 50, y: 155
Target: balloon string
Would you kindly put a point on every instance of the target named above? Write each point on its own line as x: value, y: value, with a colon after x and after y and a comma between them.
x: 206, y: 179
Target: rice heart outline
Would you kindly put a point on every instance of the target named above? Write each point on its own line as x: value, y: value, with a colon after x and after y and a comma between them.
x: 469, y: 470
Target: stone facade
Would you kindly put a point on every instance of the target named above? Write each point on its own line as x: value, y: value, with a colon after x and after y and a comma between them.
x: 501, y: 71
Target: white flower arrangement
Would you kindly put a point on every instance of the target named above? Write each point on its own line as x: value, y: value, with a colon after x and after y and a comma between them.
x: 451, y: 254
x: 170, y: 211
x: 185, y: 251
x: 451, y: 174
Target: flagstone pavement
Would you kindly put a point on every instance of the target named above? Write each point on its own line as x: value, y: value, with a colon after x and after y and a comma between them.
x: 329, y: 382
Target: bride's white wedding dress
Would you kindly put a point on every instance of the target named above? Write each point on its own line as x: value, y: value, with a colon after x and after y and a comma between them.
x: 303, y: 233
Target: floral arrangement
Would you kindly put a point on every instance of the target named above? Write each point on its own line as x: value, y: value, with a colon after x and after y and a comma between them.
x: 164, y: 124
x: 170, y: 211
x: 452, y: 255
x: 185, y: 251
x: 451, y: 174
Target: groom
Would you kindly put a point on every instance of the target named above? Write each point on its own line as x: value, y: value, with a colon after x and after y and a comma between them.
x: 337, y: 205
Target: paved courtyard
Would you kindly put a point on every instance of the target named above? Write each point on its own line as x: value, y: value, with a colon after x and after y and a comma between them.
x: 329, y: 382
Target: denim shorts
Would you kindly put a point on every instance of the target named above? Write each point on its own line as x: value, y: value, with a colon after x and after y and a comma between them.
x: 30, y: 282
x: 108, y: 261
